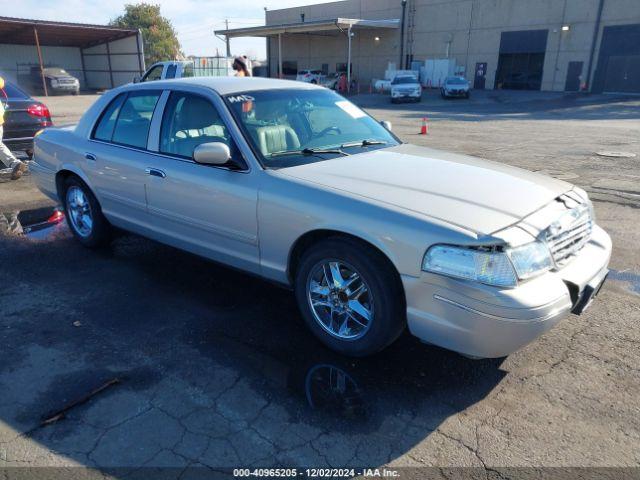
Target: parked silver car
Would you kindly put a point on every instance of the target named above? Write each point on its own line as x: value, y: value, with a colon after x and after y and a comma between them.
x: 294, y: 183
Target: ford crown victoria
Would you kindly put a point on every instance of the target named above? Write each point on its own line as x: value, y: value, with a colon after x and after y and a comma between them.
x: 294, y: 183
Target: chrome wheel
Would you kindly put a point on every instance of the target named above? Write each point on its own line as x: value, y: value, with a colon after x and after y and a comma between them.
x: 340, y: 299
x: 79, y: 211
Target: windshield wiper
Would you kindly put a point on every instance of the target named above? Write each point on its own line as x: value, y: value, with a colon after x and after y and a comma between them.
x: 310, y: 151
x: 363, y: 143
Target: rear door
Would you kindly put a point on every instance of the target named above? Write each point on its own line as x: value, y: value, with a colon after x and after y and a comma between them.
x: 117, y: 156
x: 205, y: 209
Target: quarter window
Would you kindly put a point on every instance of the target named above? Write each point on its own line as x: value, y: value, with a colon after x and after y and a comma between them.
x: 134, y: 119
x: 187, y: 71
x: 104, y: 129
x: 190, y: 120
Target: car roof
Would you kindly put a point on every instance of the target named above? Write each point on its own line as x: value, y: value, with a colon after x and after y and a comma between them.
x: 230, y: 85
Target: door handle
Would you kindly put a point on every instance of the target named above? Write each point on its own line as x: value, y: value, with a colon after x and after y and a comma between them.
x: 155, y: 172
x: 90, y: 156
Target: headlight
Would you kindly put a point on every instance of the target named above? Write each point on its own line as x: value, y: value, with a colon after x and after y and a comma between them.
x: 531, y: 259
x: 492, y: 268
x: 54, y: 82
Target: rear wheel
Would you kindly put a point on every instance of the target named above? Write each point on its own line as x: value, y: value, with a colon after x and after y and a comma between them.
x: 350, y: 297
x: 84, y: 215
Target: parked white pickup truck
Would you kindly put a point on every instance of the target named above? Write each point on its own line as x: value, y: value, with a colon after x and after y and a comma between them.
x: 166, y: 70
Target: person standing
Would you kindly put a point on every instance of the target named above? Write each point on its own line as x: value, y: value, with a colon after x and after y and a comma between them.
x: 240, y: 66
x: 13, y: 167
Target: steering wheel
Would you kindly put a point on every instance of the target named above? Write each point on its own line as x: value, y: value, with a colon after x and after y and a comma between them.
x: 331, y: 129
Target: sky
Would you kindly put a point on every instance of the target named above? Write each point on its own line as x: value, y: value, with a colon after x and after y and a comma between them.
x: 194, y: 20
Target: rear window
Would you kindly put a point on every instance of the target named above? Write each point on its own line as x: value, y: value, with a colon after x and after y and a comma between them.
x: 107, y: 123
x: 14, y: 92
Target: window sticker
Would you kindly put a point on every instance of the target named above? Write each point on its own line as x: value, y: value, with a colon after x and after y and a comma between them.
x: 351, y: 109
x: 241, y: 98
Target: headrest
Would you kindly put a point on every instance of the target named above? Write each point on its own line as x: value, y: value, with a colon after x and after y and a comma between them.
x: 197, y: 113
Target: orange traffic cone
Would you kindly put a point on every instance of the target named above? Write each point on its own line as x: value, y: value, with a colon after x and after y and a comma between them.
x: 425, y: 127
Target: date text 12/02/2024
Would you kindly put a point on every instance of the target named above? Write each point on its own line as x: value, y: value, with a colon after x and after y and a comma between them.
x: 315, y: 472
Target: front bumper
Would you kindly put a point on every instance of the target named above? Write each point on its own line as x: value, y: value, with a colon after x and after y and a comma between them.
x: 456, y: 93
x: 488, y: 322
x: 408, y: 95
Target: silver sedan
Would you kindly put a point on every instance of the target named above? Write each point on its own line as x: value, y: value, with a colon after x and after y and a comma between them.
x: 296, y: 184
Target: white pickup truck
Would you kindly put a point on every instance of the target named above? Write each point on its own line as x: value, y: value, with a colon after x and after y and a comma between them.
x: 166, y: 70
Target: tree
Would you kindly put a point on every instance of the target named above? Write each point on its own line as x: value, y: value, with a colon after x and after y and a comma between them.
x: 160, y: 40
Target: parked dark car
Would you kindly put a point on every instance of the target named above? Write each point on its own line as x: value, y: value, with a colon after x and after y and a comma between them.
x: 24, y: 116
x: 59, y: 81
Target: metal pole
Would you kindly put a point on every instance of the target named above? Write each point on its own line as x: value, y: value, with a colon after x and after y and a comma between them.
x: 349, y: 59
x: 109, y: 63
x: 139, y: 53
x: 226, y: 37
x: 44, y: 81
x: 84, y: 68
x: 141, y: 50
x: 279, y: 55
x: 404, y: 8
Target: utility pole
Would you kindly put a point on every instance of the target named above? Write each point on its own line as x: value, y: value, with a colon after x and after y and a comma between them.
x: 226, y: 22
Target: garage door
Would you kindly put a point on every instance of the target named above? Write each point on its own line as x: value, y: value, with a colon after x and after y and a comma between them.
x: 618, y: 69
x: 623, y: 74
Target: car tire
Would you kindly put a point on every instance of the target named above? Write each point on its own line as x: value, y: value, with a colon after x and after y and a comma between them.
x: 84, y: 214
x: 380, y: 295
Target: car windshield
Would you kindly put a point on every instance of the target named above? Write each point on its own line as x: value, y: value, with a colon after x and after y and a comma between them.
x: 401, y: 80
x: 456, y: 81
x: 297, y: 126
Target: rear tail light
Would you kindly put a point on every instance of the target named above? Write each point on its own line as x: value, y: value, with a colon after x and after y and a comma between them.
x: 40, y: 110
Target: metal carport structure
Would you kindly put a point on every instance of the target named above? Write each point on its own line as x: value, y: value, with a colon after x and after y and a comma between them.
x: 93, y: 41
x: 336, y: 26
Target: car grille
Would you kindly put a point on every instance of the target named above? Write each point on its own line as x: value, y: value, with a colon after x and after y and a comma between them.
x: 566, y: 236
x: 66, y: 81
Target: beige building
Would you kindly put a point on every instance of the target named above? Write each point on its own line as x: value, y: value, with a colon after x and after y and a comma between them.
x: 525, y: 44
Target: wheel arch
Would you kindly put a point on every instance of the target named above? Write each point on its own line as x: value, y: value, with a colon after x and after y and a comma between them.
x: 310, y: 238
x: 66, y: 172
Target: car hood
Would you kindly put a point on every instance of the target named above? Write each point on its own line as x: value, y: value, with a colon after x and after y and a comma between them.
x: 468, y: 192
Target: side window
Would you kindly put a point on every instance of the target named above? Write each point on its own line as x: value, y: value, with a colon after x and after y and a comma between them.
x: 188, y: 121
x: 154, y: 74
x: 107, y: 123
x: 132, y: 126
x: 187, y: 71
x: 171, y: 71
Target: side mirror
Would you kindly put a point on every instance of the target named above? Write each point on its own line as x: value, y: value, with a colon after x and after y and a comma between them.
x: 386, y: 124
x: 214, y: 153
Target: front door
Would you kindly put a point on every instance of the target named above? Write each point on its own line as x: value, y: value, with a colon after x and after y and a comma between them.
x: 481, y: 73
x: 574, y: 73
x: 208, y: 210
